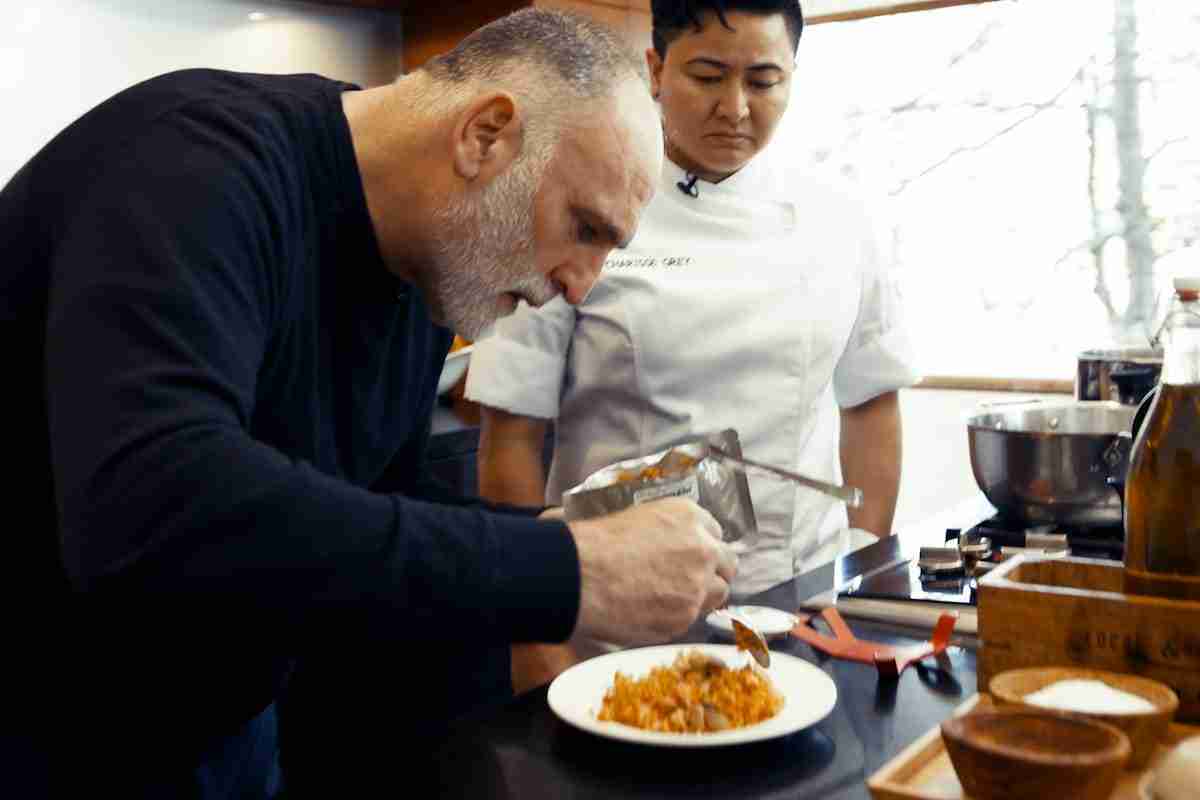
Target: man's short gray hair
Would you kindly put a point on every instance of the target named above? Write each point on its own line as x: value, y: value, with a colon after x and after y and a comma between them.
x: 554, y: 61
x: 585, y: 56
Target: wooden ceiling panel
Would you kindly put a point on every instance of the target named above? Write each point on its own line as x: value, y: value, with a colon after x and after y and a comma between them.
x: 378, y: 5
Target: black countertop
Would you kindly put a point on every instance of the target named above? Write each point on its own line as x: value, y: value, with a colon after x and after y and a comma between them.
x: 521, y: 750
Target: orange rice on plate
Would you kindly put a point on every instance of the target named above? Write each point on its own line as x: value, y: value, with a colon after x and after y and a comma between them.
x: 696, y: 694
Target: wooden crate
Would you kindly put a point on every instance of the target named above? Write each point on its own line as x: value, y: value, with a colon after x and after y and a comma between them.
x: 1071, y: 611
x: 922, y: 771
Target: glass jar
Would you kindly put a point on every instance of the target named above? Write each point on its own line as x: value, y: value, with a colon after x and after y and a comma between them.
x: 1162, y: 490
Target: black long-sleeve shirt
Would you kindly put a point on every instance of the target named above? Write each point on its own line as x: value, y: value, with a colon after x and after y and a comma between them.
x: 234, y: 395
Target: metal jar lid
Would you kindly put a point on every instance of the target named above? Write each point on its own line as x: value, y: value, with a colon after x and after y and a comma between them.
x: 1128, y: 355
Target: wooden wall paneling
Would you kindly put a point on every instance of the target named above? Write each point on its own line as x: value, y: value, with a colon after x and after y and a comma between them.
x: 433, y: 28
x: 815, y: 11
x: 376, y: 5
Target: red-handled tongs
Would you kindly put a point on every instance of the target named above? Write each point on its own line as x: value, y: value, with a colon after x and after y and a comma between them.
x: 888, y: 659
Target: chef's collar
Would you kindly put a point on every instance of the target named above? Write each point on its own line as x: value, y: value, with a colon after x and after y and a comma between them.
x: 754, y: 200
x: 754, y: 178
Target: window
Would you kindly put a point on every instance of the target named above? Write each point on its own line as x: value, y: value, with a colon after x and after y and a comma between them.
x: 1034, y: 162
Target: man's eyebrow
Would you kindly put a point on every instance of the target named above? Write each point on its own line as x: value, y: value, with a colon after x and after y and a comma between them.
x: 607, y: 228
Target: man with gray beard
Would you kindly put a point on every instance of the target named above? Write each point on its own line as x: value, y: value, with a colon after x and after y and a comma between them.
x: 500, y: 256
x: 224, y: 304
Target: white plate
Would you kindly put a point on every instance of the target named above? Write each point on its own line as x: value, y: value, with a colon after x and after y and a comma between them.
x: 577, y: 695
x: 768, y: 621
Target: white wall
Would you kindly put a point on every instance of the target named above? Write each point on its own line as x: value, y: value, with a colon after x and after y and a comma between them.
x: 936, y: 476
x: 58, y: 58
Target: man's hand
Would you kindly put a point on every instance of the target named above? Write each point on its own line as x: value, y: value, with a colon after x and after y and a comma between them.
x: 649, y: 571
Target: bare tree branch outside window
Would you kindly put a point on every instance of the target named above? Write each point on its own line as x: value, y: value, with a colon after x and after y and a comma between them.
x: 1036, y: 162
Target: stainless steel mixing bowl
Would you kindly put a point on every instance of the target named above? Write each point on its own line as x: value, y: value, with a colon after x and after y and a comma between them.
x: 1044, y: 462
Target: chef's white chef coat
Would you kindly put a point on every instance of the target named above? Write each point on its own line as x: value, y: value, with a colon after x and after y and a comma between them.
x: 760, y: 304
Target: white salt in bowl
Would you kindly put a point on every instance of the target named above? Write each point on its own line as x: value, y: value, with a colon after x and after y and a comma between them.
x: 1145, y: 729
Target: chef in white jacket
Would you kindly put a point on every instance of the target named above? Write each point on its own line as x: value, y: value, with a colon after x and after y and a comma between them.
x: 752, y: 297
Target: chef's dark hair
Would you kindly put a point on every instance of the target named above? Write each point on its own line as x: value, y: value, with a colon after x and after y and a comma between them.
x: 671, y: 18
x: 588, y: 58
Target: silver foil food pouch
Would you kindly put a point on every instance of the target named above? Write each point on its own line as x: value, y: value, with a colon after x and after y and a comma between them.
x: 686, y: 469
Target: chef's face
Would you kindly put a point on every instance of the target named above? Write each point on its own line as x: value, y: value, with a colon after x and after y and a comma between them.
x: 543, y: 231
x: 604, y: 174
x: 722, y: 92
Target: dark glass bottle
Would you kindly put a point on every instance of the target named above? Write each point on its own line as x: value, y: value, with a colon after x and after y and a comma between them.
x: 1162, y: 491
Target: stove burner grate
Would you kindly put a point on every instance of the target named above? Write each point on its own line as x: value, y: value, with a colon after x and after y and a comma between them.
x: 1087, y: 542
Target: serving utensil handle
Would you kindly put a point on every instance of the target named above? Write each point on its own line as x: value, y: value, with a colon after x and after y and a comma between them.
x: 852, y: 496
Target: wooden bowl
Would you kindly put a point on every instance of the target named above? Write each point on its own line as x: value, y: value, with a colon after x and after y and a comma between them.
x: 1145, y: 730
x: 1017, y: 754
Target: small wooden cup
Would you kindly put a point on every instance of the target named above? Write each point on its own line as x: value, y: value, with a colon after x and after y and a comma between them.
x: 1017, y: 754
x: 1145, y: 730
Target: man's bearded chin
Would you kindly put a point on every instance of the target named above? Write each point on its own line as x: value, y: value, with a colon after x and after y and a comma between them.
x: 492, y: 255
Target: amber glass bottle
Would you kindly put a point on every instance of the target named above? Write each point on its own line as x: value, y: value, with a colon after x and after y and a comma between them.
x: 1162, y: 491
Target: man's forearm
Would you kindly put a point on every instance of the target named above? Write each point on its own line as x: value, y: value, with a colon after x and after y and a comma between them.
x: 536, y: 664
x: 871, y: 456
x: 512, y: 476
x: 510, y: 459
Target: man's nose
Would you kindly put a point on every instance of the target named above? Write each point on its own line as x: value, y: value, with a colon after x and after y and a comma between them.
x: 733, y: 104
x: 578, y: 276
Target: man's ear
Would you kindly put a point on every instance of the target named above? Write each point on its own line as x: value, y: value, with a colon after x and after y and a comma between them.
x: 655, y: 65
x: 487, y: 136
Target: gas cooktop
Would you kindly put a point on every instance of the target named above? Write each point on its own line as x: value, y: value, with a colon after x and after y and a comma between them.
x: 1106, y: 541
